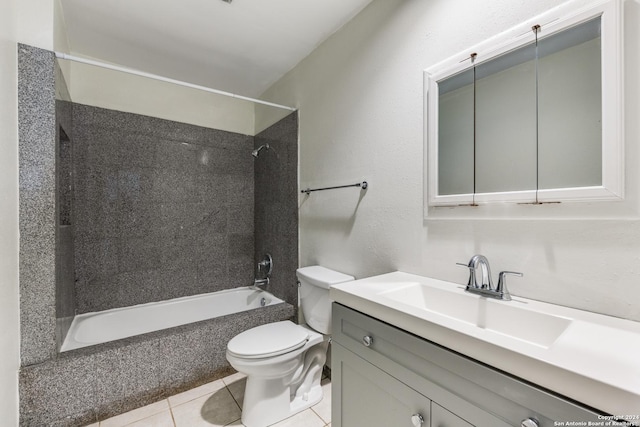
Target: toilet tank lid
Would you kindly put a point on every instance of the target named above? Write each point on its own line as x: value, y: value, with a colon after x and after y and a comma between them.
x: 322, y: 276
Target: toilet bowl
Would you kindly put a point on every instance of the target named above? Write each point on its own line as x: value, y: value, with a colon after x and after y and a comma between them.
x: 283, y: 361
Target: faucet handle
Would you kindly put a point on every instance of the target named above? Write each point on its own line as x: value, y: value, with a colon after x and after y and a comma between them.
x: 510, y: 273
x: 472, y: 274
x: 266, y: 265
x: 502, y: 283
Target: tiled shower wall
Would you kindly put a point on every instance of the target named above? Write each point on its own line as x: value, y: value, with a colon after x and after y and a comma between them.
x: 276, y: 204
x: 163, y: 209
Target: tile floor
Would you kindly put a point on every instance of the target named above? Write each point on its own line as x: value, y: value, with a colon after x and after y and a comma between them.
x: 218, y: 403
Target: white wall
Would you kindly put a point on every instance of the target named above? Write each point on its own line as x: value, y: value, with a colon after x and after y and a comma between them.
x: 9, y: 314
x: 35, y: 23
x: 60, y: 39
x: 361, y: 117
x: 115, y: 90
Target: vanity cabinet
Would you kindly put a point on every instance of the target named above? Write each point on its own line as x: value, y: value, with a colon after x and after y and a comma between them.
x: 371, y: 397
x: 384, y: 376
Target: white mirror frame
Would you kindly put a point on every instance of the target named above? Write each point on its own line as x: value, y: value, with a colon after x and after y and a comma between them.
x: 551, y: 22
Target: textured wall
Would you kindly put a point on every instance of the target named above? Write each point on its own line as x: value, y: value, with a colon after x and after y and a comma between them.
x: 276, y: 208
x: 361, y: 97
x: 163, y: 209
x: 37, y: 185
x: 119, y: 91
x: 10, y: 241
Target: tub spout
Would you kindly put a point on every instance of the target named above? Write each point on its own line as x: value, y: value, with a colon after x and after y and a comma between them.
x: 261, y: 282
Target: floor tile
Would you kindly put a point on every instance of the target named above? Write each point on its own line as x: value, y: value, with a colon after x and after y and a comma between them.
x: 236, y: 388
x: 233, y: 378
x: 213, y: 405
x: 136, y: 415
x: 216, y: 409
x: 323, y: 408
x: 306, y: 418
x: 163, y: 419
x: 194, y: 393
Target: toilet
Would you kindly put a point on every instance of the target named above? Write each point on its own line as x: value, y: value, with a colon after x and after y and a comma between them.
x: 283, y: 361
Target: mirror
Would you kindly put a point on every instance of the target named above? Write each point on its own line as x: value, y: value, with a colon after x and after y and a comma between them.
x: 529, y: 121
x: 570, y: 108
x: 505, y: 123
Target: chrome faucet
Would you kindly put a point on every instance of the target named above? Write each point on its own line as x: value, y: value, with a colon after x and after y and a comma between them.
x: 484, y: 286
x: 261, y: 282
x: 265, y: 267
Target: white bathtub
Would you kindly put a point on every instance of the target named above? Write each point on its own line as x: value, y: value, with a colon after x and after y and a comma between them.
x: 110, y: 325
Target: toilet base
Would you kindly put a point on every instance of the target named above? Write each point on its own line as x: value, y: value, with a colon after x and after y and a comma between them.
x: 270, y: 400
x: 261, y: 411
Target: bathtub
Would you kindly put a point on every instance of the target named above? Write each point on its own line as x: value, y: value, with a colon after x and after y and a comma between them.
x: 110, y: 325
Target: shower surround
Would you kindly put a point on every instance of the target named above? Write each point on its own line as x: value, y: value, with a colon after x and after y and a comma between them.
x: 163, y: 209
x: 159, y: 210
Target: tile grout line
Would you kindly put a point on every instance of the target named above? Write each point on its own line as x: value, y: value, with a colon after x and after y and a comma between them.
x: 192, y: 399
x: 141, y: 419
x: 153, y: 415
x: 318, y: 415
x: 237, y: 403
x: 171, y: 412
x: 233, y: 397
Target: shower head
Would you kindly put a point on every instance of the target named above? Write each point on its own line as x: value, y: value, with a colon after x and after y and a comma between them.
x: 255, y: 153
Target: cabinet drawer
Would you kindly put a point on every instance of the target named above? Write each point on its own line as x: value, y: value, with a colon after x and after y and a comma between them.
x: 440, y: 417
x: 369, y: 397
x: 473, y: 391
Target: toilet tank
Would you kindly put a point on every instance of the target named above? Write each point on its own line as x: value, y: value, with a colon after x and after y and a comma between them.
x: 315, y: 304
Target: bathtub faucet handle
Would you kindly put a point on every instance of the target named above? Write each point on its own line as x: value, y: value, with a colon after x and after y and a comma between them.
x: 266, y: 265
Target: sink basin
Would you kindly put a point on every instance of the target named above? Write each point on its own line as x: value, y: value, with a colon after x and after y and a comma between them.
x: 510, y: 318
x: 588, y: 357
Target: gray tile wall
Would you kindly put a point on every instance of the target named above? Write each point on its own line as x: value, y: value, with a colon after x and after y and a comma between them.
x: 276, y: 204
x: 65, y: 263
x: 163, y: 209
x: 37, y: 187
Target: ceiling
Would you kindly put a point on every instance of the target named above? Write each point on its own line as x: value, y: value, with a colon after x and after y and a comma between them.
x: 241, y: 47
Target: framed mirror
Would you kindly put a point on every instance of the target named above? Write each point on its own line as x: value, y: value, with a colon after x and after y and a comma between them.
x: 532, y: 116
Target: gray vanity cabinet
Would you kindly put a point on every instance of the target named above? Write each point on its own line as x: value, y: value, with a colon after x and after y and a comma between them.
x: 383, y: 376
x: 440, y: 417
x: 370, y: 397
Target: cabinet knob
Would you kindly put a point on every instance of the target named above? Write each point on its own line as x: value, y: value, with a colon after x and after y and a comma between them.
x: 417, y: 420
x: 367, y: 340
x: 530, y: 422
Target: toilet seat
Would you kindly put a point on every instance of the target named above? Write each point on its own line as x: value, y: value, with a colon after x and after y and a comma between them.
x: 272, y: 339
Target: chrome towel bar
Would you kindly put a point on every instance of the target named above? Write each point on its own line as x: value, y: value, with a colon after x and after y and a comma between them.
x: 363, y: 185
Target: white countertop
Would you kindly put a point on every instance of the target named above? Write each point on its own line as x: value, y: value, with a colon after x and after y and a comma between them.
x: 589, y: 357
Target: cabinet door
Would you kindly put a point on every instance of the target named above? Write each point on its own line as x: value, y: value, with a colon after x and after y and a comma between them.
x: 440, y: 417
x: 363, y: 395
